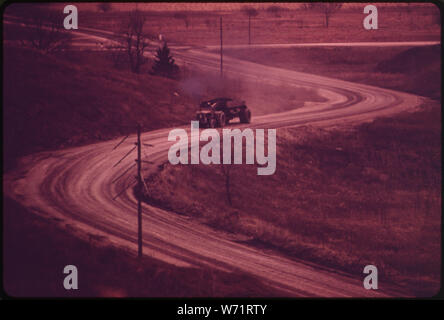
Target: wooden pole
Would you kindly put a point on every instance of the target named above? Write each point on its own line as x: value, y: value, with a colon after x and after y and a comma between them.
x: 249, y: 29
x: 139, y: 189
x: 221, y: 51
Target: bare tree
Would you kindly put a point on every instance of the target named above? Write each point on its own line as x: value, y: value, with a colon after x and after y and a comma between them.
x: 117, y: 53
x: 104, y: 6
x: 45, y: 30
x: 135, y: 40
x: 326, y: 8
x: 250, y: 12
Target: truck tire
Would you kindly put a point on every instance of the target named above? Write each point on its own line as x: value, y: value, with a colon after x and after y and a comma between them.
x: 245, y: 116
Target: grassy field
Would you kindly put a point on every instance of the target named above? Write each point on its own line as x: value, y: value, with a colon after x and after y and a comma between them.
x: 66, y: 99
x: 289, y: 25
x: 342, y: 199
x: 74, y: 98
x: 35, y: 251
x: 416, y: 70
x: 77, y: 97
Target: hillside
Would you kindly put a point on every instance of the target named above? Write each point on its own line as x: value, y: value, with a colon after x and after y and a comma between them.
x: 418, y: 65
x: 76, y: 98
x: 106, y: 271
x: 410, y: 69
x: 371, y: 195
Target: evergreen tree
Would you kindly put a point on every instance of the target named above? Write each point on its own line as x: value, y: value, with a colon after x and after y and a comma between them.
x: 164, y: 64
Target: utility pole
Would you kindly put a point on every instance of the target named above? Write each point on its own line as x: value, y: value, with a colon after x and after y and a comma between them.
x: 221, y: 51
x: 140, y: 183
x: 249, y: 29
x: 139, y: 189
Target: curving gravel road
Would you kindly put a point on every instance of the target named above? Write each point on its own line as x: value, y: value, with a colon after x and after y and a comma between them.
x: 74, y: 187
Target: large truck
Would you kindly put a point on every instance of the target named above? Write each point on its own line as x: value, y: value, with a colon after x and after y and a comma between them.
x: 218, y: 112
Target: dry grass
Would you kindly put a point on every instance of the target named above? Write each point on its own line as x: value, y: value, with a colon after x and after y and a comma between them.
x: 74, y: 98
x: 78, y: 97
x: 342, y: 199
x: 290, y: 26
x: 415, y: 70
x: 36, y: 251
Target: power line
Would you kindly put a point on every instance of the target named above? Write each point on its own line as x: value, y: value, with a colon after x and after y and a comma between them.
x: 125, y: 156
x: 117, y: 195
x: 120, y: 142
x: 123, y: 173
x: 140, y: 183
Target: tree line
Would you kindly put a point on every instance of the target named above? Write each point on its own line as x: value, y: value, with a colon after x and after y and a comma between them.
x: 45, y: 32
x: 132, y: 44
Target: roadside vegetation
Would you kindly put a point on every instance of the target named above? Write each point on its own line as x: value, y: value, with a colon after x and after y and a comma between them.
x: 369, y: 195
x: 76, y: 97
x: 415, y: 69
x: 283, y: 23
x: 344, y: 199
x: 72, y: 98
x: 35, y: 251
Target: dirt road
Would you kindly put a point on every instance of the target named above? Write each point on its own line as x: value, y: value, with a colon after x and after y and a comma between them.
x: 75, y: 188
